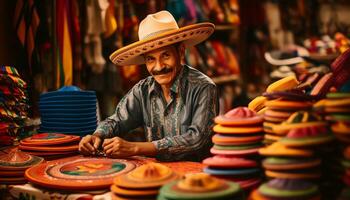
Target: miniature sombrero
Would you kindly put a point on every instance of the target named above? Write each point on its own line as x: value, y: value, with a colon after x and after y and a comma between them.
x: 288, y: 189
x: 299, y: 119
x: 239, y: 116
x: 150, y: 175
x: 158, y: 30
x: 290, y: 56
x: 307, y: 136
x: 279, y: 149
x: 17, y: 160
x: 200, y: 186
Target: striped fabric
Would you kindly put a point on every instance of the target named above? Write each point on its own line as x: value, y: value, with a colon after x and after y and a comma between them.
x: 26, y: 22
x: 63, y: 46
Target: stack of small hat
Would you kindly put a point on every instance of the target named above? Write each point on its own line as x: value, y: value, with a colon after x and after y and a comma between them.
x: 50, y: 145
x: 284, y: 97
x: 13, y: 163
x: 13, y: 105
x: 200, y: 186
x: 143, y: 182
x: 292, y: 157
x: 335, y: 108
x: 68, y: 110
x: 238, y: 137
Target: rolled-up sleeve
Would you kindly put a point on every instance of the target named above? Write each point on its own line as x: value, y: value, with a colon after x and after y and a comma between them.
x: 127, y: 116
x: 198, y: 134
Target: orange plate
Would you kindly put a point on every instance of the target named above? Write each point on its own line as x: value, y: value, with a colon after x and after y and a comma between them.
x: 237, y: 130
x: 84, y: 174
x: 220, y: 139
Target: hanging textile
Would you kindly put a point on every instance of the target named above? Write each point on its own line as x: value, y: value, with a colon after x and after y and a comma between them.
x: 63, y: 46
x: 26, y: 22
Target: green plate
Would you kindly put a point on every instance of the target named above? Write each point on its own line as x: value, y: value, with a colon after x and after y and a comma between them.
x: 240, y: 147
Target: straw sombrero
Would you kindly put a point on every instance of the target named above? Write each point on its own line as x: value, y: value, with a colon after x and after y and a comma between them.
x: 158, y: 30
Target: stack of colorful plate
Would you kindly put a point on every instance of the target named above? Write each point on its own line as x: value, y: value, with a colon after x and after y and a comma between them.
x: 50, y: 145
x: 200, y: 186
x: 286, y: 189
x: 13, y: 163
x: 143, y: 182
x: 13, y: 105
x: 68, y: 110
x: 236, y: 143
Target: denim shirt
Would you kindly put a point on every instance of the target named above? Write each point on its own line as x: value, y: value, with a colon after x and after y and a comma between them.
x: 180, y: 129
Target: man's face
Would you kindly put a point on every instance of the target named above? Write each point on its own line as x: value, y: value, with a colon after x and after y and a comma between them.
x: 165, y: 63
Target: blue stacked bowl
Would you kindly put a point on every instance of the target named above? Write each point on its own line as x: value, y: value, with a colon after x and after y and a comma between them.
x: 68, y: 110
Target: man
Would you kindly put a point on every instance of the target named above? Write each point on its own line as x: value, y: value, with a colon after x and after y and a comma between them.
x: 175, y: 105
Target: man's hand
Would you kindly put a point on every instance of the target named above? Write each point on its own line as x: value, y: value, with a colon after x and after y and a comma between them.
x: 119, y: 148
x: 89, y: 144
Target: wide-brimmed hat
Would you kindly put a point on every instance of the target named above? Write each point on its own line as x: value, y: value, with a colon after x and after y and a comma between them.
x: 158, y: 30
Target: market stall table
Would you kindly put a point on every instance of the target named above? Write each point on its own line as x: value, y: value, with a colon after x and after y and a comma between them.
x: 34, y: 191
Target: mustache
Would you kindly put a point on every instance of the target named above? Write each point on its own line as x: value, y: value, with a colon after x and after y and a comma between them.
x: 164, y: 70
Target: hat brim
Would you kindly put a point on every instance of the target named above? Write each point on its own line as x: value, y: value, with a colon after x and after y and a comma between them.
x: 190, y: 35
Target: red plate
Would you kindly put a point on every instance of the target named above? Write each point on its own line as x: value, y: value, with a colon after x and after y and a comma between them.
x: 45, y: 139
x: 79, y: 174
x: 226, y: 161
